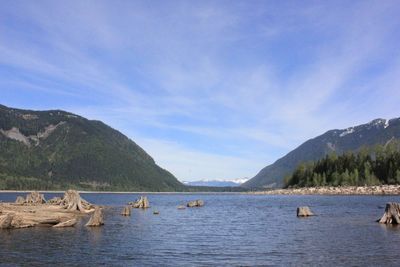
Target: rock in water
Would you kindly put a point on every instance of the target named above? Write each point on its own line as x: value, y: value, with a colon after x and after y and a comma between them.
x: 141, y: 203
x: 392, y: 214
x: 195, y: 203
x: 156, y: 212
x: 68, y: 223
x: 96, y: 219
x: 304, y: 212
x: 126, y: 211
x: 20, y: 200
x: 5, y: 221
x: 35, y: 198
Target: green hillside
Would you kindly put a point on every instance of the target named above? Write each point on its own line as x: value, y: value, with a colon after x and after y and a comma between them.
x: 377, y: 132
x: 58, y: 150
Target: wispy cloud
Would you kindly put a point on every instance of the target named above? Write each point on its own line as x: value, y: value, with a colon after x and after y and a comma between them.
x: 211, y: 89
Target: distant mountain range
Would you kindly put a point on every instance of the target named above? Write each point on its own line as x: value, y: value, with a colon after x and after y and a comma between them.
x: 379, y: 131
x: 217, y: 183
x: 58, y: 150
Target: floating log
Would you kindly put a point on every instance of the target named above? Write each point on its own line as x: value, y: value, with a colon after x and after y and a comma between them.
x: 35, y: 198
x: 304, y: 212
x: 141, y: 203
x: 392, y: 214
x: 195, y: 203
x: 96, y: 219
x: 126, y: 211
x: 68, y: 223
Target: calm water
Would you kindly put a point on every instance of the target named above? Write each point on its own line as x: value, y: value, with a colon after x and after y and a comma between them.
x: 230, y: 230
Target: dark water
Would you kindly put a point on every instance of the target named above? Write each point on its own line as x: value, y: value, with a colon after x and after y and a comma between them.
x: 230, y: 230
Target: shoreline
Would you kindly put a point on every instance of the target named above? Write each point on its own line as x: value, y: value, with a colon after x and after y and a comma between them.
x: 119, y: 192
x: 331, y: 190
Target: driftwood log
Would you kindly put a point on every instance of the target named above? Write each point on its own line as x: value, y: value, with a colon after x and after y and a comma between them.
x: 5, y: 221
x: 141, y: 203
x: 195, y: 203
x: 392, y: 214
x: 68, y: 223
x: 96, y: 219
x: 126, y: 211
x: 33, y: 211
x: 304, y: 212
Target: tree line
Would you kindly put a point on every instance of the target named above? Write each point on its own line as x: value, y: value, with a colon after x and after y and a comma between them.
x: 375, y: 165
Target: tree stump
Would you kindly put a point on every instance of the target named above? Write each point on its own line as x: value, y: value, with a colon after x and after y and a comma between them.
x: 5, y: 221
x: 20, y: 200
x: 141, y: 203
x: 96, y: 219
x: 392, y: 214
x: 304, y: 212
x: 68, y: 223
x: 195, y: 203
x: 73, y: 201
x: 35, y: 198
x: 126, y: 211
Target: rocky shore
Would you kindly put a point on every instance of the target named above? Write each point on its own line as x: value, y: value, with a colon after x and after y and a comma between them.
x: 332, y: 190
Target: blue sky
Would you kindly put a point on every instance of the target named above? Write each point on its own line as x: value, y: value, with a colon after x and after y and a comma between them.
x: 210, y: 89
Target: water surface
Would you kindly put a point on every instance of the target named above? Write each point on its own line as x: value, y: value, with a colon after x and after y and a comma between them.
x: 230, y: 230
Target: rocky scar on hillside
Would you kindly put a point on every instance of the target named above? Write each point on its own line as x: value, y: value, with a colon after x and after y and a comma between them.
x: 33, y: 210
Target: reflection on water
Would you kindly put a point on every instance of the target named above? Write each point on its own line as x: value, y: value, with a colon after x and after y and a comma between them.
x: 229, y: 230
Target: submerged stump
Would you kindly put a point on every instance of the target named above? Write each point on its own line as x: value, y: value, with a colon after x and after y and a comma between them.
x: 392, y: 214
x: 96, y: 219
x: 304, y: 212
x: 141, y: 203
x: 126, y: 211
x: 195, y: 203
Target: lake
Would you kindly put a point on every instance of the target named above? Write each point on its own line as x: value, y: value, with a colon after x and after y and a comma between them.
x: 230, y: 230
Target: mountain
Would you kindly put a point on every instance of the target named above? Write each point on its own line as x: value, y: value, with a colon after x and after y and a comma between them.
x: 378, y: 131
x: 216, y: 183
x: 58, y: 150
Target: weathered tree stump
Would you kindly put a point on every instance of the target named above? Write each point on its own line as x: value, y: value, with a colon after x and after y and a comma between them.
x: 195, y: 203
x: 141, y: 203
x: 392, y: 214
x: 126, y: 211
x: 5, y: 221
x: 68, y: 223
x: 304, y: 212
x: 35, y: 198
x: 20, y: 200
x: 73, y: 201
x: 96, y: 219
